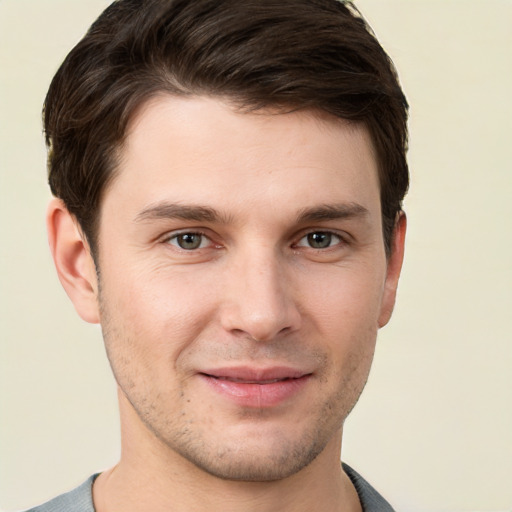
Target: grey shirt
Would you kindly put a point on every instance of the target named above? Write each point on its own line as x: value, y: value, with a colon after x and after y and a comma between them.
x: 80, y: 499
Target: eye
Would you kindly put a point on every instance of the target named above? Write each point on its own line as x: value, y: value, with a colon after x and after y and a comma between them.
x: 189, y: 241
x: 319, y: 240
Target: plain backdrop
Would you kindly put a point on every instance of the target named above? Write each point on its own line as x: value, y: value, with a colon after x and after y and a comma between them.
x: 433, y: 430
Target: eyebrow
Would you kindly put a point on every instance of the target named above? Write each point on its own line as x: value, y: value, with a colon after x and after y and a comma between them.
x: 332, y: 212
x: 198, y: 213
x: 165, y: 210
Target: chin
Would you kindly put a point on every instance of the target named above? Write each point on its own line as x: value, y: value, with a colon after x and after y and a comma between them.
x: 256, y: 460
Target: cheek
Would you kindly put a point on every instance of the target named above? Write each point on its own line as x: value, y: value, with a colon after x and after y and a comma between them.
x: 344, y: 315
x: 154, y: 316
x: 344, y: 299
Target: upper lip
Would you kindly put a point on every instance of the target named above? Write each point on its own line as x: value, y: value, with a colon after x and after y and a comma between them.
x: 253, y: 374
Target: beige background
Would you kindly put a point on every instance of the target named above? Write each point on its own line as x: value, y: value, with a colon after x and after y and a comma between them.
x: 433, y: 430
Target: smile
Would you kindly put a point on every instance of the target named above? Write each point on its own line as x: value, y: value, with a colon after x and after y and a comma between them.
x: 254, y: 388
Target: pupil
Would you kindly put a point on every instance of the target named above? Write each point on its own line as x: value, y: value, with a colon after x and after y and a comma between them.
x: 319, y: 240
x: 189, y: 241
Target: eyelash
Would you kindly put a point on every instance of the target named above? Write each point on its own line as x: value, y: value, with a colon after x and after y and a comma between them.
x: 324, y: 233
x: 330, y: 236
x: 176, y: 237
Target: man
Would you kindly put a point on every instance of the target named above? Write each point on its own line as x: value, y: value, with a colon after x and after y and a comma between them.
x: 228, y: 179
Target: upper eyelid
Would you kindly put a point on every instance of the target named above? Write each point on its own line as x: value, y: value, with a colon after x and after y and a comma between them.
x: 340, y: 239
x: 169, y: 240
x: 343, y: 235
x: 177, y: 232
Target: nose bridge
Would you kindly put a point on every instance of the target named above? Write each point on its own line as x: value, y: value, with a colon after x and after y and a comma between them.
x: 260, y: 300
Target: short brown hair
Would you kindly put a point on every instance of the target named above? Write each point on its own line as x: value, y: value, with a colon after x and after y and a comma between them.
x: 284, y: 54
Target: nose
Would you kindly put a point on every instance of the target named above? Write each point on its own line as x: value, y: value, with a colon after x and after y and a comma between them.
x: 259, y: 299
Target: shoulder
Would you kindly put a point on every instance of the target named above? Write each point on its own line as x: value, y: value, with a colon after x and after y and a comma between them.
x: 77, y: 500
x: 371, y: 500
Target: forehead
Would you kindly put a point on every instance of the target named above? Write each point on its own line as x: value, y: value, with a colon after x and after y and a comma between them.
x: 203, y: 150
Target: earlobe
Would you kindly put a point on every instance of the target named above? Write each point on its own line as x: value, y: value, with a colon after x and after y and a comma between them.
x: 393, y: 269
x: 73, y: 260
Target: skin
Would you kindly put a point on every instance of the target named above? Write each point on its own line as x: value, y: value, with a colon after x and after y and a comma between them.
x: 285, y: 267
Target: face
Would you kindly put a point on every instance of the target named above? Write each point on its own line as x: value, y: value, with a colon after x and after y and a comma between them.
x: 243, y: 278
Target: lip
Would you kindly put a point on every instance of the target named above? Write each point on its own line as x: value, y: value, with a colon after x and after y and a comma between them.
x: 256, y: 387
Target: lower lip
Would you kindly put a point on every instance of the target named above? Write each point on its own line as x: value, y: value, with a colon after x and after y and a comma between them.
x: 257, y: 395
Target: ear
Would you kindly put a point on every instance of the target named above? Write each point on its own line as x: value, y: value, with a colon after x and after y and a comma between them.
x: 73, y: 260
x: 393, y: 271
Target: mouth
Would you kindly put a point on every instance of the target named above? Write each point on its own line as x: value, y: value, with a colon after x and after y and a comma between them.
x: 261, y: 388
x: 244, y: 381
x: 256, y: 375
